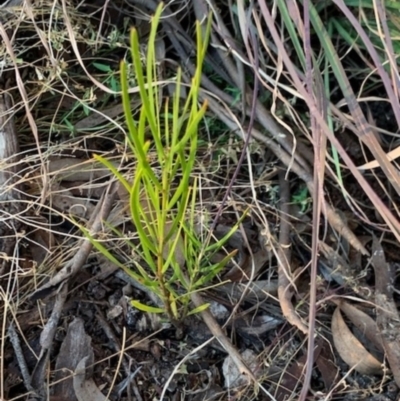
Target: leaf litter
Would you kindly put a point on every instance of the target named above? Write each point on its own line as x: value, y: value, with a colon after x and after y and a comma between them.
x: 76, y: 334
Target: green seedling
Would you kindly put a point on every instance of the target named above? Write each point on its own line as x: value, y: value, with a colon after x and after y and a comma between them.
x: 175, y: 257
x: 302, y: 199
x: 110, y: 79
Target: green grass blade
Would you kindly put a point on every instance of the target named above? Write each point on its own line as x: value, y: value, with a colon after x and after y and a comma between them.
x: 147, y: 308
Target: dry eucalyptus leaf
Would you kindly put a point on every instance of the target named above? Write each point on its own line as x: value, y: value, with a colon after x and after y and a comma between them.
x: 75, y: 347
x: 86, y: 389
x: 233, y: 376
x: 73, y: 169
x: 70, y: 204
x: 350, y: 348
x: 364, y: 323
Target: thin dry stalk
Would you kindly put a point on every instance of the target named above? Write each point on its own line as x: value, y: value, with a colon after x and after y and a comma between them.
x: 285, y: 284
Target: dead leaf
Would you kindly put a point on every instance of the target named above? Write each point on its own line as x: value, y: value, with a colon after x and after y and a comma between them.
x: 74, y: 169
x: 364, y: 323
x: 75, y: 347
x: 232, y: 374
x: 86, y: 389
x: 325, y: 363
x: 388, y: 319
x: 350, y: 348
x: 65, y: 201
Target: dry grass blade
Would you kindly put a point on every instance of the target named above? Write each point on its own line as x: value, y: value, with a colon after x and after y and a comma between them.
x: 391, y: 221
x: 392, y: 155
x: 9, y: 149
x: 333, y: 217
x: 21, y: 87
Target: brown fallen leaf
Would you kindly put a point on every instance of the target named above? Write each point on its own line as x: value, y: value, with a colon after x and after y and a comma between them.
x: 63, y: 200
x: 364, y: 323
x: 325, y: 363
x: 75, y: 347
x: 388, y: 319
x: 75, y: 169
x: 86, y: 389
x: 350, y: 348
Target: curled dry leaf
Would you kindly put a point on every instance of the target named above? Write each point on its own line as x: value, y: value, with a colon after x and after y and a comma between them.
x: 350, y: 348
x: 364, y: 323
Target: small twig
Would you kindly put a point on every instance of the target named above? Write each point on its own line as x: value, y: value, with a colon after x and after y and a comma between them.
x: 284, y: 252
x: 14, y: 339
x: 46, y: 341
x: 115, y: 344
x: 217, y: 332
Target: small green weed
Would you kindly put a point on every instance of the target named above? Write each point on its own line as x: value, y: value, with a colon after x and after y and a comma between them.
x: 111, y: 79
x: 302, y: 198
x: 175, y: 256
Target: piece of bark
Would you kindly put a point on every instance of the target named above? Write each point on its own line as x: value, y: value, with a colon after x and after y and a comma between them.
x: 10, y: 194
